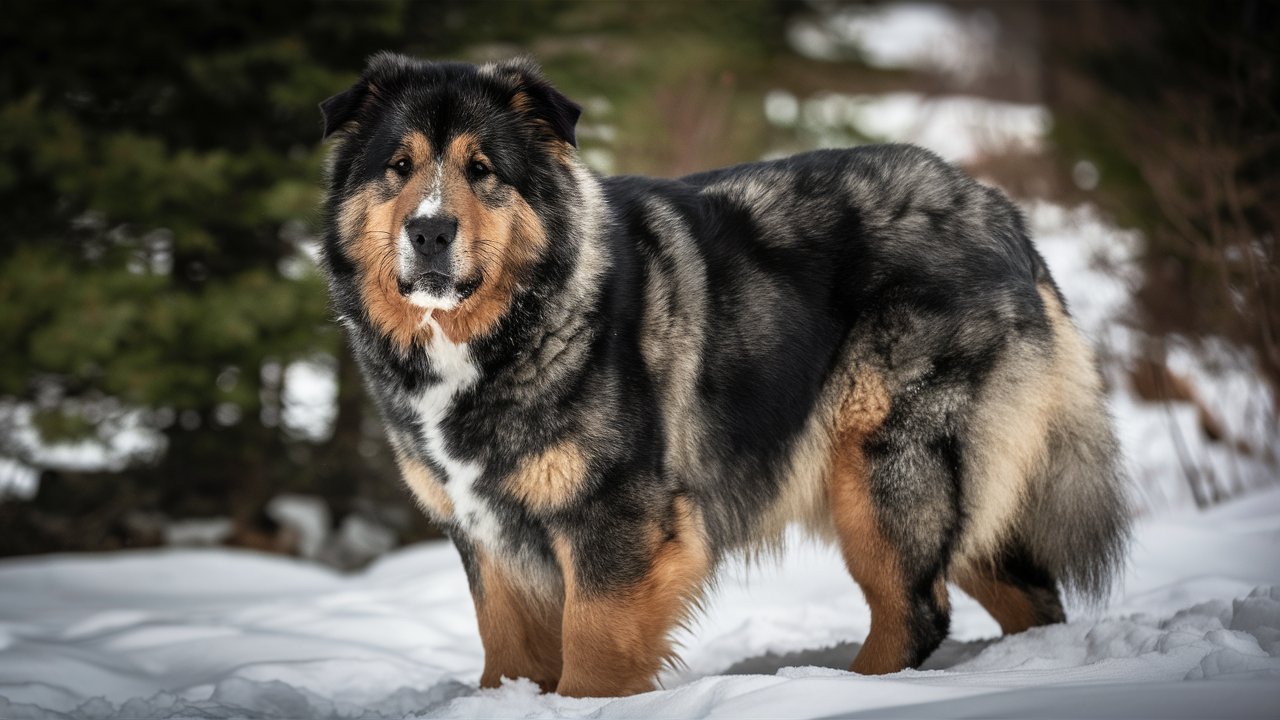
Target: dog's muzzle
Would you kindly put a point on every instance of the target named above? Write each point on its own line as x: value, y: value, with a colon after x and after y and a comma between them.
x: 432, y: 241
x: 432, y: 268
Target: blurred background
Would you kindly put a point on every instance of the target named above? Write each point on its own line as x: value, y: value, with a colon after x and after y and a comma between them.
x: 170, y: 373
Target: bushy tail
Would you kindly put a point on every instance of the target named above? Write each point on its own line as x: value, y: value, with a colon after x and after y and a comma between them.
x: 1076, y: 523
x: 1077, y: 520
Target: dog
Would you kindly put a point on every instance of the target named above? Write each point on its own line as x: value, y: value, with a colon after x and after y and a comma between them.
x: 601, y: 387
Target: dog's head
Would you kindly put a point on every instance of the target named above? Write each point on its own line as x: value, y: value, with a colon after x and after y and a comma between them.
x: 444, y: 191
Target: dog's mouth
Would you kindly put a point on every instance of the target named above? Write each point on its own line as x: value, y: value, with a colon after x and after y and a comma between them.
x: 439, y: 286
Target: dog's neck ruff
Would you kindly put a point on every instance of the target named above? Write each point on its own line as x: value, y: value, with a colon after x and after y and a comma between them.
x: 457, y: 370
x: 551, y: 347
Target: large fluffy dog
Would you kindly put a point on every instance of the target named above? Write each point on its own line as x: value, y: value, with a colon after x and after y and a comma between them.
x: 602, y: 386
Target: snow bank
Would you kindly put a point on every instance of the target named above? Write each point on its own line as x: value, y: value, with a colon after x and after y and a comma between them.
x: 310, y: 397
x: 922, y: 36
x: 959, y: 128
x: 221, y: 634
x: 122, y: 436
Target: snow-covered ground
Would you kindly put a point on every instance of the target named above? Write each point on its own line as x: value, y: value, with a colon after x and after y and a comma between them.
x: 1195, y: 632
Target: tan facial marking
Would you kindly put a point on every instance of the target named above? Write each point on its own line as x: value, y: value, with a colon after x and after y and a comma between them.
x: 551, y: 479
x: 521, y: 102
x: 497, y: 243
x: 615, y: 642
x: 371, y: 227
x: 499, y: 238
x: 562, y: 151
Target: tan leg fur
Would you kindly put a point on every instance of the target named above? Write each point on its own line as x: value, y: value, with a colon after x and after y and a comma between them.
x: 616, y: 641
x: 870, y: 558
x: 520, y: 630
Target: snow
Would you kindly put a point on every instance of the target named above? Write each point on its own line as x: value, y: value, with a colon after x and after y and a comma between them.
x: 198, y: 532
x: 221, y: 633
x: 310, y: 397
x: 18, y: 479
x: 122, y: 436
x: 957, y: 127
x: 307, y: 516
x: 921, y: 36
x: 960, y: 128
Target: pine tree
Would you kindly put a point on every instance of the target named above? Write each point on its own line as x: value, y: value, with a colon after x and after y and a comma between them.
x: 159, y: 168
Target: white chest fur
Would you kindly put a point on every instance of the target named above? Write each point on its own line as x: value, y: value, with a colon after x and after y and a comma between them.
x: 458, y: 372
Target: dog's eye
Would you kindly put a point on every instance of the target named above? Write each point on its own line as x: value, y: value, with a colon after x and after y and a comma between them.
x: 478, y: 170
x: 402, y: 167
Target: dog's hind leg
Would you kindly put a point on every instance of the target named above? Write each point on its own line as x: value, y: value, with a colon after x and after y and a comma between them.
x: 1019, y: 593
x: 616, y: 631
x: 519, y: 624
x: 891, y: 518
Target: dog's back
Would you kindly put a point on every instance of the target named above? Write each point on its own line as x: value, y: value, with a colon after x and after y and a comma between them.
x: 774, y: 286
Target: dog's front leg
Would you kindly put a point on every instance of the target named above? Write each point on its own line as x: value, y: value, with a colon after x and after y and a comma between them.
x: 624, y: 594
x: 519, y: 622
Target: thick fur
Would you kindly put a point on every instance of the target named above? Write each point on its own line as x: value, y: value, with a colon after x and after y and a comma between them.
x: 621, y: 380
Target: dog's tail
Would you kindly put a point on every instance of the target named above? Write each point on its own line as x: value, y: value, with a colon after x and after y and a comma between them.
x: 1076, y: 518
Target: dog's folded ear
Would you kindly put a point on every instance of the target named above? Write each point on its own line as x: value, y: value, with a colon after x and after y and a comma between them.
x: 346, y: 107
x: 533, y: 94
x: 342, y: 108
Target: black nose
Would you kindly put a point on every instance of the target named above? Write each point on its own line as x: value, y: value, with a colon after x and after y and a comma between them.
x: 431, y: 237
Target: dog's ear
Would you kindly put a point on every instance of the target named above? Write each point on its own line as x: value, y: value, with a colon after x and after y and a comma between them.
x: 533, y: 94
x: 342, y: 108
x: 382, y: 70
